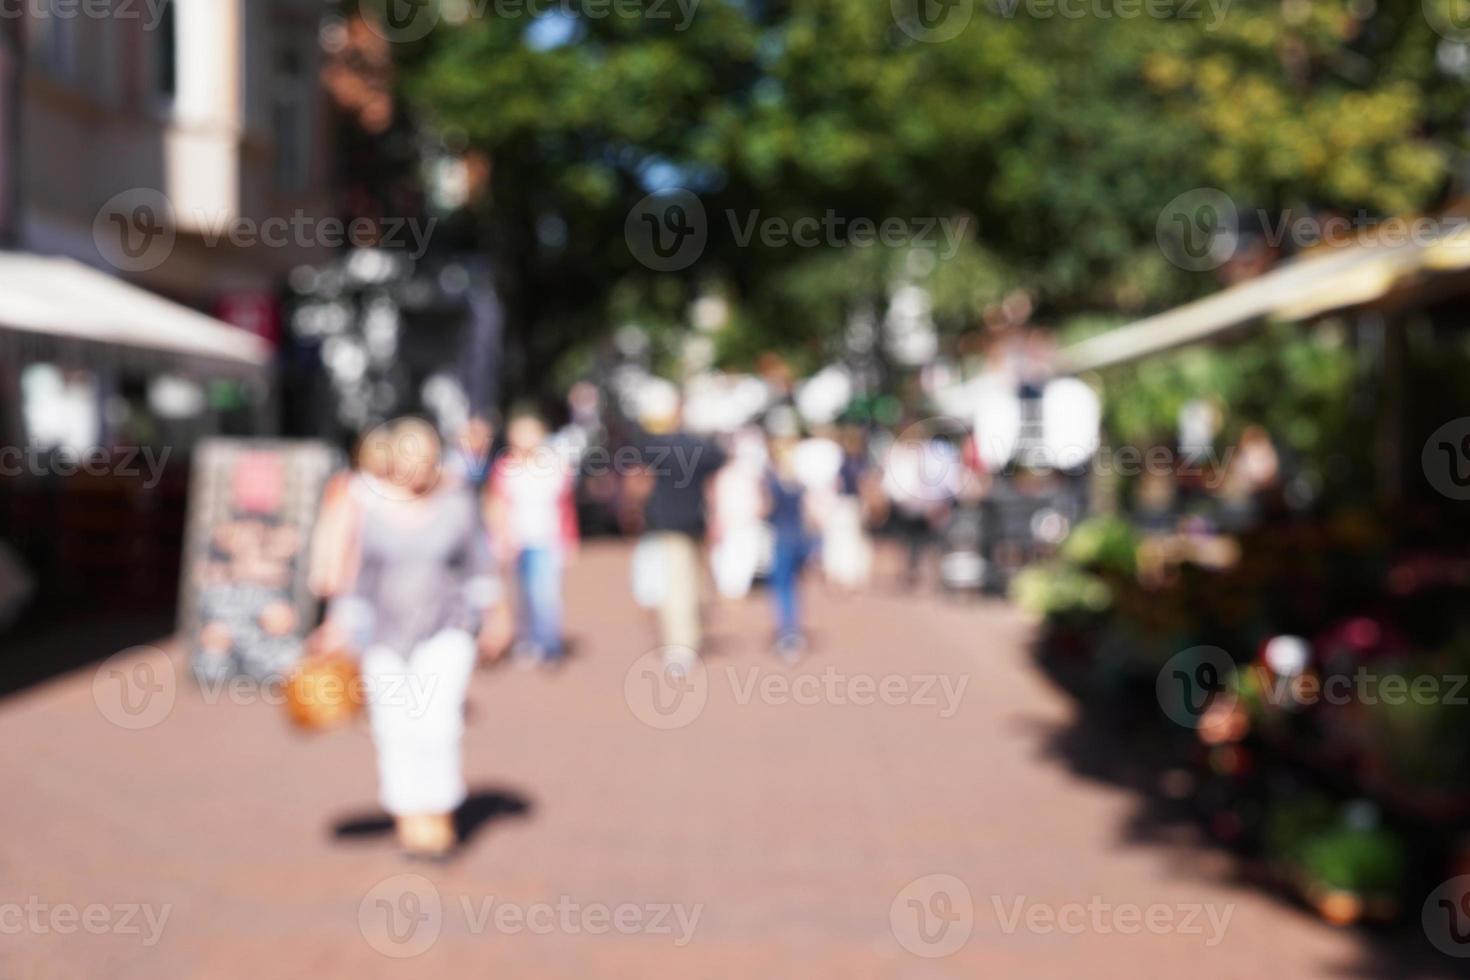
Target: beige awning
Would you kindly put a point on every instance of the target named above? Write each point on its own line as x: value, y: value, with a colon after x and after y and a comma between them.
x: 43, y: 297
x: 1301, y: 289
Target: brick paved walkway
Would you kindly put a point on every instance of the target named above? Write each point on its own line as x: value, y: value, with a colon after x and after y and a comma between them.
x: 852, y: 824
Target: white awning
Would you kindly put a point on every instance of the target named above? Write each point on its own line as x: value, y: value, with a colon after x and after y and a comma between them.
x: 1317, y: 283
x: 43, y: 297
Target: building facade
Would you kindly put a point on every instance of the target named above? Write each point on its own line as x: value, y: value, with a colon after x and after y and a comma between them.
x: 10, y: 36
x: 196, y: 124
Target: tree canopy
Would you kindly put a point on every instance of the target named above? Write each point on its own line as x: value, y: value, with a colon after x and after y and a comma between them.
x: 1052, y: 131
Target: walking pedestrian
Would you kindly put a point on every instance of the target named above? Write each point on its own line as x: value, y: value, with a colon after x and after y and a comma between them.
x: 921, y: 476
x: 468, y: 461
x: 737, y: 526
x: 423, y: 582
x: 533, y: 518
x: 667, y: 497
x: 787, y: 510
x: 847, y: 553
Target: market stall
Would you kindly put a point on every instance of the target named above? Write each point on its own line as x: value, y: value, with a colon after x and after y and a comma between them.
x: 104, y: 388
x: 1277, y: 589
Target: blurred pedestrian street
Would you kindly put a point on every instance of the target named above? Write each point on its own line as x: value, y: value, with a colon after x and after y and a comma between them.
x: 921, y: 795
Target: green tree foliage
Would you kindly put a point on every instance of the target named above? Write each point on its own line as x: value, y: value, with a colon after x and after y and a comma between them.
x: 1058, y: 138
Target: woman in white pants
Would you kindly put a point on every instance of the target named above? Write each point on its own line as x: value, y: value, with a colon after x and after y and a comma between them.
x: 420, y: 590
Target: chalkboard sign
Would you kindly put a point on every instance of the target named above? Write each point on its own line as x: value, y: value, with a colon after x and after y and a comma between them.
x: 244, y: 606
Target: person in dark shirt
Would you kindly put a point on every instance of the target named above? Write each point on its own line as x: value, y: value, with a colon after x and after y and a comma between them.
x: 667, y: 497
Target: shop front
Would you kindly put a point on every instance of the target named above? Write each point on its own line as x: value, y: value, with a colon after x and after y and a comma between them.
x: 104, y: 390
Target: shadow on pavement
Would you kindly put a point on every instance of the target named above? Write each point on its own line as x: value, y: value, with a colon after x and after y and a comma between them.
x: 34, y: 653
x: 484, y: 806
x: 1112, y: 744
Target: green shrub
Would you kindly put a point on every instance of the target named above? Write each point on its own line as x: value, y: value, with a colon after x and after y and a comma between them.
x: 1055, y: 590
x: 1105, y: 544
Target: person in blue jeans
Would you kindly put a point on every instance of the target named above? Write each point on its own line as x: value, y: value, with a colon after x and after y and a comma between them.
x: 534, y: 521
x: 786, y: 512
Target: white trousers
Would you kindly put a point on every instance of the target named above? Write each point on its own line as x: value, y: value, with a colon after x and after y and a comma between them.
x: 416, y: 706
x: 847, y: 555
x: 734, y: 560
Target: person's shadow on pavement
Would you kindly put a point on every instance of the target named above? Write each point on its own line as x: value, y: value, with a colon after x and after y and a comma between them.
x: 481, y: 807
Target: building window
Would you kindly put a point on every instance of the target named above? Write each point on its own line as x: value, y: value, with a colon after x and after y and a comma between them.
x: 289, y: 123
x: 55, y: 41
x: 166, y: 53
x: 108, y: 82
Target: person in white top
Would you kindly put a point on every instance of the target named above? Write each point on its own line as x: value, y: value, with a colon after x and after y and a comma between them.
x: 534, y: 521
x: 737, y: 526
